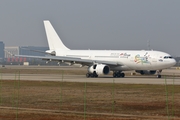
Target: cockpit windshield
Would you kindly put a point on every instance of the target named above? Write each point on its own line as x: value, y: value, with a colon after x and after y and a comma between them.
x: 168, y: 57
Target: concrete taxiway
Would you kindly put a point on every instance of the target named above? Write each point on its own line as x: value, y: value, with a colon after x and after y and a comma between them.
x: 168, y: 75
x: 102, y: 79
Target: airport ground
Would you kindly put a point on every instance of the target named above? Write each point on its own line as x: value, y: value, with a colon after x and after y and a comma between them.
x: 63, y: 93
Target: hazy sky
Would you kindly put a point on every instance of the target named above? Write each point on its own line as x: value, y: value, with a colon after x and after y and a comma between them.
x: 93, y: 24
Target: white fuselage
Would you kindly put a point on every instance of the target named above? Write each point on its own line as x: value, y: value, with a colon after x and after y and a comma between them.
x: 127, y: 59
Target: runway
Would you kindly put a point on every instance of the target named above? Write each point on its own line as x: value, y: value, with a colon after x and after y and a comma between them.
x: 134, y: 79
x: 102, y: 79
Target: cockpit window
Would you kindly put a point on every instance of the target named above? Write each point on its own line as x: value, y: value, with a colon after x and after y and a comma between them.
x: 168, y: 57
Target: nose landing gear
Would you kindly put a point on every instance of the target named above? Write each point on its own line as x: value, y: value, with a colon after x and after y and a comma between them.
x: 159, y: 73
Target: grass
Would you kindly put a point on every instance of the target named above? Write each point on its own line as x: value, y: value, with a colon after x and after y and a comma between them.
x: 128, y: 98
x: 143, y: 101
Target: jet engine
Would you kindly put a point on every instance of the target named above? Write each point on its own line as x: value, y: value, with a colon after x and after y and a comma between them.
x: 99, y: 69
x: 146, y: 72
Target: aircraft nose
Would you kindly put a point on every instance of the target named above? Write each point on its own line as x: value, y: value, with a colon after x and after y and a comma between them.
x: 173, y: 62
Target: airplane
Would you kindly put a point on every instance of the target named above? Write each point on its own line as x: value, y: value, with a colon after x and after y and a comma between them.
x: 101, y: 62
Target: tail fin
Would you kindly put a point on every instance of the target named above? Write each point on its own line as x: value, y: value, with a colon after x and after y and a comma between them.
x: 54, y: 40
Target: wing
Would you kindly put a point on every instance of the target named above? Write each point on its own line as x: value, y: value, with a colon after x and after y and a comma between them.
x: 72, y: 60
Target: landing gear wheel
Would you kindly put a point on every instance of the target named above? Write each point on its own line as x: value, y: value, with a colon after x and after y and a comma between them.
x: 92, y: 75
x: 114, y: 74
x: 158, y: 76
x: 159, y: 73
x: 118, y: 74
x: 96, y: 76
x: 87, y: 75
x: 122, y: 75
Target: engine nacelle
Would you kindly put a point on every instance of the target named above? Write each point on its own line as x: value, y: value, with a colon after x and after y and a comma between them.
x: 146, y: 72
x: 99, y: 69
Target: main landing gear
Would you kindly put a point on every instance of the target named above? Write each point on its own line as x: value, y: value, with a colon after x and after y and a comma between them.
x: 118, y: 74
x: 91, y: 75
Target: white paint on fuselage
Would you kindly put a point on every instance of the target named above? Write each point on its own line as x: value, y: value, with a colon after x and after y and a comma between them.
x: 128, y: 59
x: 125, y: 59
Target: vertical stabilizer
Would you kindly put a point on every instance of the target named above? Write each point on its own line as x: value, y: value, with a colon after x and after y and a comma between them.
x: 54, y: 40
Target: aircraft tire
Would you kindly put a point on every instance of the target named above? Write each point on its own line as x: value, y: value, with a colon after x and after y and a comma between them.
x: 87, y: 75
x: 114, y: 75
x: 92, y: 75
x: 158, y: 76
x: 122, y: 75
x: 96, y: 75
x: 118, y: 75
